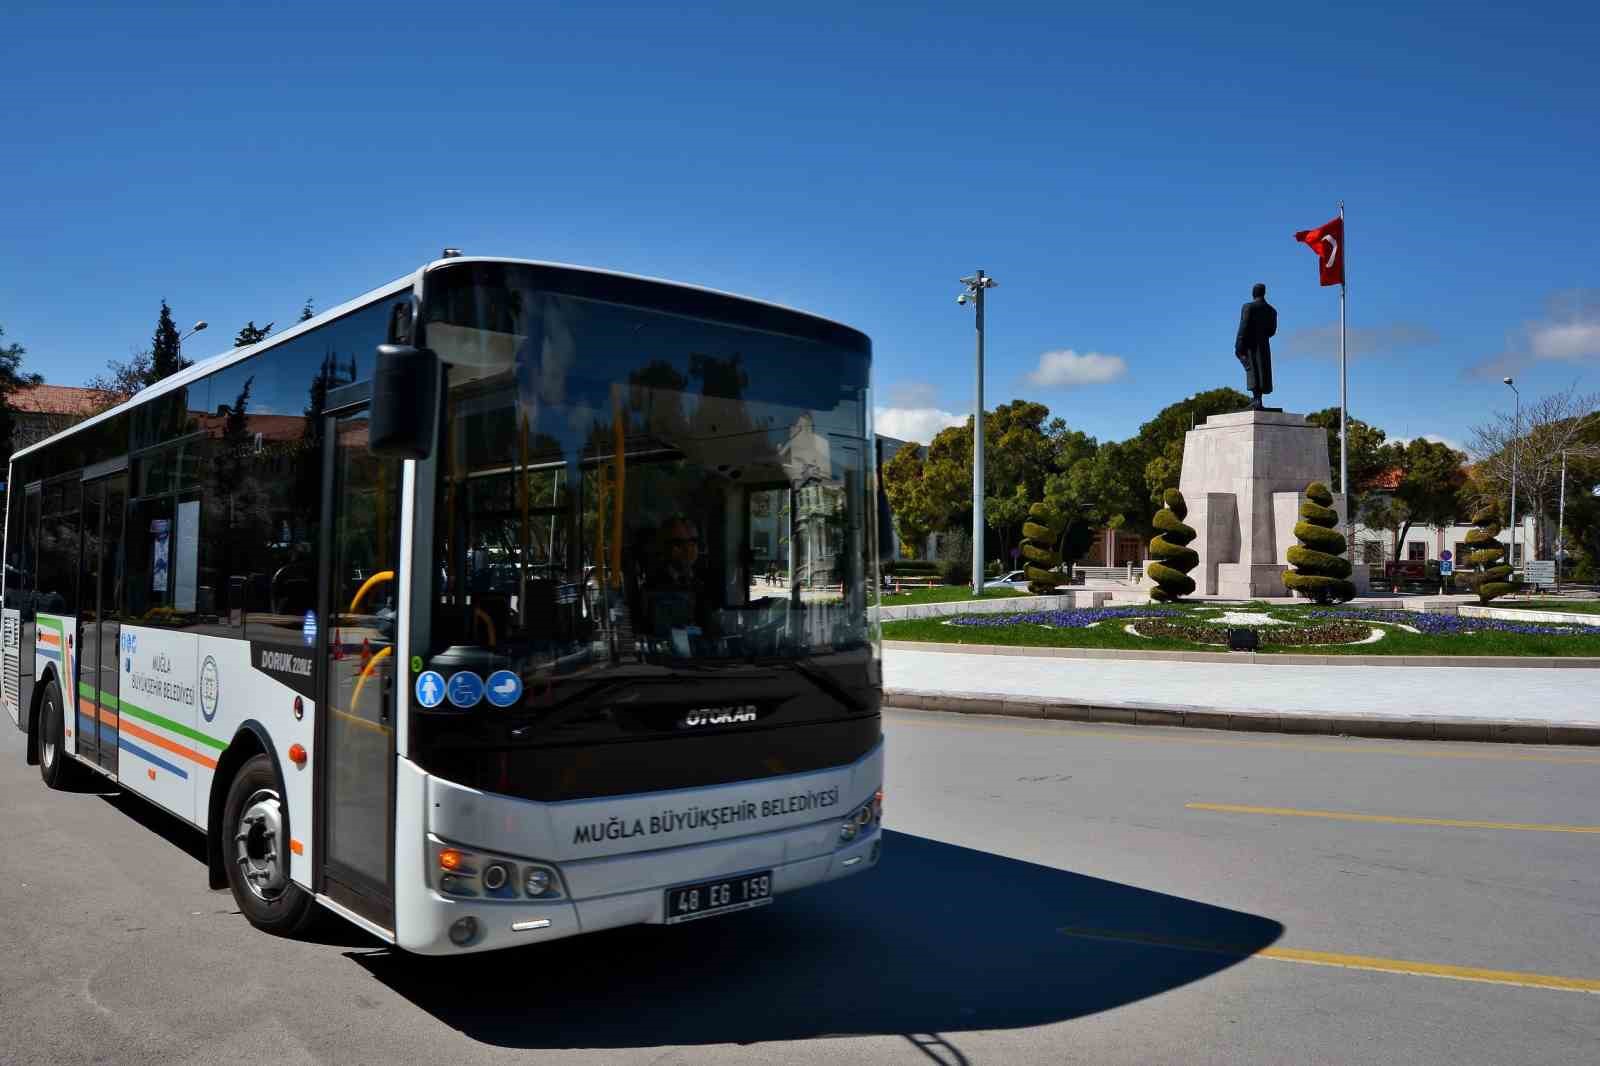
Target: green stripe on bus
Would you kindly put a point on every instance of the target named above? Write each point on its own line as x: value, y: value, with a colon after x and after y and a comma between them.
x: 89, y: 692
x: 49, y: 622
x: 167, y: 723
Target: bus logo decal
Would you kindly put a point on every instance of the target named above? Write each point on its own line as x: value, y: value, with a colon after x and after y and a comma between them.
x: 210, y: 688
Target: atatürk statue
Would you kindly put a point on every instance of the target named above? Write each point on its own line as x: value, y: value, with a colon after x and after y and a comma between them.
x: 1258, y: 321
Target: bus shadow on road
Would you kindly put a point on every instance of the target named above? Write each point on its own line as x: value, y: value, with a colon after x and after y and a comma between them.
x: 939, y: 939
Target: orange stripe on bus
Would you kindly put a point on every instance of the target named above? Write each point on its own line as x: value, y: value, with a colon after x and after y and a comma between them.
x: 163, y: 742
x: 86, y: 706
x: 45, y: 636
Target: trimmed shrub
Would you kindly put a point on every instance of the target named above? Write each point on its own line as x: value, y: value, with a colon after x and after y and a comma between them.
x: 1320, y: 573
x: 1171, y: 558
x: 1041, y: 533
x: 1493, y: 577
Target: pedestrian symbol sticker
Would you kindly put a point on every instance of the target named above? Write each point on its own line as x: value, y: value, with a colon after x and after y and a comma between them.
x: 465, y: 689
x: 505, y: 688
x: 430, y: 688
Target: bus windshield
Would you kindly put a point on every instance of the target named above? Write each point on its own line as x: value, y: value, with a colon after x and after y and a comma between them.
x: 624, y: 486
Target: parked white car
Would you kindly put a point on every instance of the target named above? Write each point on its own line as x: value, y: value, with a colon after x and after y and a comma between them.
x: 1017, y: 579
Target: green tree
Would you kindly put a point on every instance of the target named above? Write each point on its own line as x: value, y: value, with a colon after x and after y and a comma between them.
x: 12, y: 378
x: 1493, y: 577
x: 1320, y: 572
x: 1157, y: 449
x: 166, y: 357
x: 1367, y: 450
x: 306, y: 311
x: 914, y: 516
x: 1171, y: 558
x: 250, y: 333
x: 1432, y: 476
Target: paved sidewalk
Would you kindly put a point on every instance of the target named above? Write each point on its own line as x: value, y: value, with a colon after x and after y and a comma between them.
x: 1437, y: 702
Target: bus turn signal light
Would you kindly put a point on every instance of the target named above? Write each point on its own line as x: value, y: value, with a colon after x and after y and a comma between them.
x: 297, y: 755
x: 449, y: 859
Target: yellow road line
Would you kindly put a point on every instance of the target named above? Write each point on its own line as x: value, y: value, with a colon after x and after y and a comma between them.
x: 1391, y: 819
x: 1416, y: 749
x: 1371, y: 963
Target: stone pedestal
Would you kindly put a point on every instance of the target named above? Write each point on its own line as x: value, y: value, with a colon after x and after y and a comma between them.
x: 1244, y: 476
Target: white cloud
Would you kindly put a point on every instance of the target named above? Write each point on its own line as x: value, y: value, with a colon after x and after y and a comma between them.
x: 1570, y: 341
x: 919, y: 424
x: 1065, y: 368
x: 1569, y: 332
x: 1359, y: 341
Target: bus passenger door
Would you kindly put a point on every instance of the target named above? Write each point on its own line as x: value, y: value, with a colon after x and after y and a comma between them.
x: 355, y: 725
x: 100, y: 618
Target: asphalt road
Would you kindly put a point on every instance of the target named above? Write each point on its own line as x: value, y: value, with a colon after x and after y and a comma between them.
x: 1048, y: 893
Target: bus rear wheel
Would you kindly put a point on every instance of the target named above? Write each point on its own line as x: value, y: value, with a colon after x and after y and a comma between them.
x: 257, y: 850
x: 56, y: 767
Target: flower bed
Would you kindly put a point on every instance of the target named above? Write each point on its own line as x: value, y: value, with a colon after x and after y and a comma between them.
x: 1067, y: 618
x: 1449, y: 625
x: 1284, y: 636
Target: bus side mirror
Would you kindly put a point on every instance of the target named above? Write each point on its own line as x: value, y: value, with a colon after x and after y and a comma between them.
x: 405, y: 402
x: 886, y: 537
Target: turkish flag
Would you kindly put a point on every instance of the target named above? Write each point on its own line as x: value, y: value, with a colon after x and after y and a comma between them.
x: 1327, y: 240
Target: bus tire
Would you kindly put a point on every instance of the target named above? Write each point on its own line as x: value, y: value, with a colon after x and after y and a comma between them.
x: 56, y: 767
x: 255, y: 848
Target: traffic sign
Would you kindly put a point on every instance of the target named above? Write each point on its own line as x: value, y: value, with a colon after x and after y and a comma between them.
x: 1445, y: 557
x: 1446, y: 567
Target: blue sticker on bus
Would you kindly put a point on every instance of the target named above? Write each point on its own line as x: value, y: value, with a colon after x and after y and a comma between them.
x: 465, y: 689
x: 505, y: 688
x: 308, y: 628
x: 430, y: 688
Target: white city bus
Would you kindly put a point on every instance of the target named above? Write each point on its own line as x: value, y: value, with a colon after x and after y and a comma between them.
x: 506, y: 602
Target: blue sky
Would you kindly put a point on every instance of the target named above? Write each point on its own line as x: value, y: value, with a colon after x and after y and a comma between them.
x: 1125, y: 171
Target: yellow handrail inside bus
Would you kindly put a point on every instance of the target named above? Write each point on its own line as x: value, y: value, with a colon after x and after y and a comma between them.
x: 366, y: 671
x: 366, y: 586
x: 479, y: 614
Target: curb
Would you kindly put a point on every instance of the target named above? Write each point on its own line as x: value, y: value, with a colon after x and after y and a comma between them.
x: 1519, y: 662
x: 1475, y: 729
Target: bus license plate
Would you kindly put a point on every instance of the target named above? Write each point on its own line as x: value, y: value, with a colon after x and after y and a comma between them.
x: 709, y: 898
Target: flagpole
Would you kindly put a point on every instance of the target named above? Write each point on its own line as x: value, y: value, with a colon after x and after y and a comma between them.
x: 1344, y: 416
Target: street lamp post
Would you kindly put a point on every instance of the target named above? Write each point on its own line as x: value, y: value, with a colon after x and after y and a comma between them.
x: 196, y: 328
x: 976, y: 284
x: 1516, y: 447
x: 1561, y: 521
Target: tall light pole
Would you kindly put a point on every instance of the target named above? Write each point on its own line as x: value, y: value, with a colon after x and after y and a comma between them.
x: 1561, y: 521
x: 975, y: 286
x: 1516, y: 447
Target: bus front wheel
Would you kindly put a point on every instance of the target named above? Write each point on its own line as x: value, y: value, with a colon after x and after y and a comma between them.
x: 56, y: 767
x: 257, y: 850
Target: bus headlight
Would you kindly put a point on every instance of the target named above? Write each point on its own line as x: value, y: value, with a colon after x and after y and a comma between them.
x: 537, y: 881
x: 862, y: 819
x: 462, y: 873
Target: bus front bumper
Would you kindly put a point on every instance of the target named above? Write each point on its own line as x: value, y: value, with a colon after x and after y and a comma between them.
x: 626, y: 888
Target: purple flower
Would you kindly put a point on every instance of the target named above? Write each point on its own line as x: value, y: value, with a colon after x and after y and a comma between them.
x: 1069, y: 618
x: 1451, y: 625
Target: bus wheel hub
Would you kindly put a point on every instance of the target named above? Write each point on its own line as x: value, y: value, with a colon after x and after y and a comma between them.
x: 258, y: 845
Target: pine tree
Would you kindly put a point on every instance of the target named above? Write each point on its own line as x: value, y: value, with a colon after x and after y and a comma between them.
x: 1041, y: 534
x: 1320, y: 573
x: 306, y: 311
x: 166, y: 357
x: 1171, y: 558
x: 251, y: 333
x: 1493, y: 578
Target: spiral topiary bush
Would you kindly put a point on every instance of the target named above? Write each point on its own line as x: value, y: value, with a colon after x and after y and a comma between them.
x: 1320, y: 573
x: 1493, y: 578
x: 1171, y: 558
x: 1041, y: 533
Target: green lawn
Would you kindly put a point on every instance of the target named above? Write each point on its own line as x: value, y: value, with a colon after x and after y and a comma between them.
x: 1570, y: 606
x: 942, y: 594
x: 1112, y: 634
